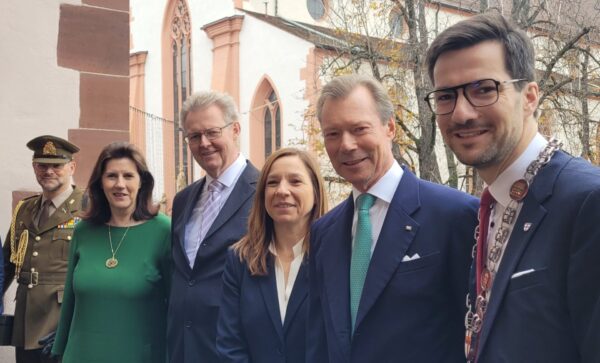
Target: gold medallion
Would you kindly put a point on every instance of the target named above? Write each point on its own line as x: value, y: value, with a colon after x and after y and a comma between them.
x: 112, y: 262
x: 518, y: 190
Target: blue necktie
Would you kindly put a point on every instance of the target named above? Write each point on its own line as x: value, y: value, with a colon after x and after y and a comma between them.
x: 361, y: 253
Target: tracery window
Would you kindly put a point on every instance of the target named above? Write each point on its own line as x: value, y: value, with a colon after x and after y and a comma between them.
x: 396, y: 23
x: 272, y: 123
x: 180, y: 52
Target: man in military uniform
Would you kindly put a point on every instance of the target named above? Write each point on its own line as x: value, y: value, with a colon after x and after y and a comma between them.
x: 36, y: 249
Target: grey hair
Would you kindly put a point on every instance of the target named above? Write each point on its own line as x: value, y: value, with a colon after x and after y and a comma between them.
x: 340, y: 87
x: 203, y: 99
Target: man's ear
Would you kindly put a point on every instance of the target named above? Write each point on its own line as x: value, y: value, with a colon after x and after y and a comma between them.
x: 531, y: 97
x: 236, y: 127
x: 391, y: 127
x: 73, y: 165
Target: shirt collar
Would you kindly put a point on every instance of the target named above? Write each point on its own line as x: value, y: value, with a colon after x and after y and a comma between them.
x: 61, y: 198
x: 385, y: 188
x: 229, y: 176
x: 297, y: 250
x: 500, y: 188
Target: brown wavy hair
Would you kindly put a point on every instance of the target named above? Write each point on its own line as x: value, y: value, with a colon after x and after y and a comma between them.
x: 253, y: 248
x: 98, y: 211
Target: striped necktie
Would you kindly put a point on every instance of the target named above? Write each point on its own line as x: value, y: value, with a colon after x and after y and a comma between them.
x: 361, y: 253
x: 210, y: 206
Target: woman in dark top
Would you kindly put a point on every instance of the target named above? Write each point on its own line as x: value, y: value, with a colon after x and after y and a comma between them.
x: 263, y: 310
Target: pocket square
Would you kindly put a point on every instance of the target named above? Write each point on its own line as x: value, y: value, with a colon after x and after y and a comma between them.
x: 521, y: 273
x: 411, y: 258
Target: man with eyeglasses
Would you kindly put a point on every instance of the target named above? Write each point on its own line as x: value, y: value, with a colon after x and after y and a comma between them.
x: 36, y: 249
x: 208, y: 216
x: 534, y: 294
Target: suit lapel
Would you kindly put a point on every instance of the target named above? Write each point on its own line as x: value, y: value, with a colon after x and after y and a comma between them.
x: 393, y: 242
x: 187, y: 212
x: 31, y: 210
x: 242, y: 190
x: 335, y: 260
x: 299, y: 294
x: 532, y: 212
x: 268, y: 288
x: 180, y: 225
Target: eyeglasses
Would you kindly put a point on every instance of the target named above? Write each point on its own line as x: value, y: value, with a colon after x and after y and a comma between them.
x: 210, y: 134
x: 42, y: 168
x: 481, y: 93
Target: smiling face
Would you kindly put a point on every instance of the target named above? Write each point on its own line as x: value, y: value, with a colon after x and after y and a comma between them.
x: 214, y: 156
x: 289, y: 192
x: 54, y: 178
x: 356, y: 140
x: 121, y: 184
x: 489, y: 138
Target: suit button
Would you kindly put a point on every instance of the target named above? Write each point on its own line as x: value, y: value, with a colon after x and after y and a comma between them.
x: 279, y: 351
x: 35, y: 253
x: 191, y: 282
x: 188, y: 324
x: 37, y: 238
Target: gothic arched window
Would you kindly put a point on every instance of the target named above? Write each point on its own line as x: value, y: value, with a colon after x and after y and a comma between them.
x: 272, y: 122
x: 316, y: 8
x: 266, y: 131
x: 180, y: 55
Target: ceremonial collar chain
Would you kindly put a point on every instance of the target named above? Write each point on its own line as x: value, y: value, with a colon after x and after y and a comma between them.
x: 518, y: 191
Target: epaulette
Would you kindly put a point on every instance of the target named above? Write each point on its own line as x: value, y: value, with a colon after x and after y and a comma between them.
x: 26, y: 199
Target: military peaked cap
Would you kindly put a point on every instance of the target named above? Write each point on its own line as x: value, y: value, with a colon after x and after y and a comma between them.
x: 49, y: 149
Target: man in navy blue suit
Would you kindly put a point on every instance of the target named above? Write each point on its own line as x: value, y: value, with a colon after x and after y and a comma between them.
x: 208, y: 216
x: 387, y: 283
x: 535, y: 295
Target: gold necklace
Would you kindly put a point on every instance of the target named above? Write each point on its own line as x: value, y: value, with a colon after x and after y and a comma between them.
x: 112, y: 262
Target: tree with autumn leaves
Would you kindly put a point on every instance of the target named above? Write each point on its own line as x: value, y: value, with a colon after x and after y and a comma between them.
x: 389, y: 39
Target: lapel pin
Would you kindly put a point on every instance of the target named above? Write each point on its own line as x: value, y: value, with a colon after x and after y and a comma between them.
x: 526, y: 226
x: 408, y: 228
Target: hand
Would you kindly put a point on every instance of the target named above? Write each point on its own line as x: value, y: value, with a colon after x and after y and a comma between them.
x: 47, y: 342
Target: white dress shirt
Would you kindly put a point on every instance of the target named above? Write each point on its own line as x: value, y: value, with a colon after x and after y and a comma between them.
x: 284, y: 288
x: 228, y: 178
x: 384, y: 191
x: 500, y: 188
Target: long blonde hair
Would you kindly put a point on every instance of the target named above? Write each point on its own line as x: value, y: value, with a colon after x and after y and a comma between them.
x: 253, y: 248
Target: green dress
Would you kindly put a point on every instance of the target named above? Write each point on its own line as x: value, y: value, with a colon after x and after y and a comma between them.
x: 112, y: 315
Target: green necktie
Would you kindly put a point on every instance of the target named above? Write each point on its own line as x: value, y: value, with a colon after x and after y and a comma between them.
x: 361, y: 253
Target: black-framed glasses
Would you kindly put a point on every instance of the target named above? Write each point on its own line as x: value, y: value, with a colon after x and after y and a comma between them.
x: 481, y: 93
x: 210, y: 134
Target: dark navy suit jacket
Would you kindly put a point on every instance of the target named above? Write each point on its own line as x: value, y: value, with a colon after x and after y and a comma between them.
x: 250, y: 327
x: 196, y: 293
x: 552, y: 314
x: 2, y: 282
x: 411, y: 311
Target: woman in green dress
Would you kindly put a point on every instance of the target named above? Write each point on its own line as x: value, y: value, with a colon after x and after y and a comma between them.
x: 115, y: 299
